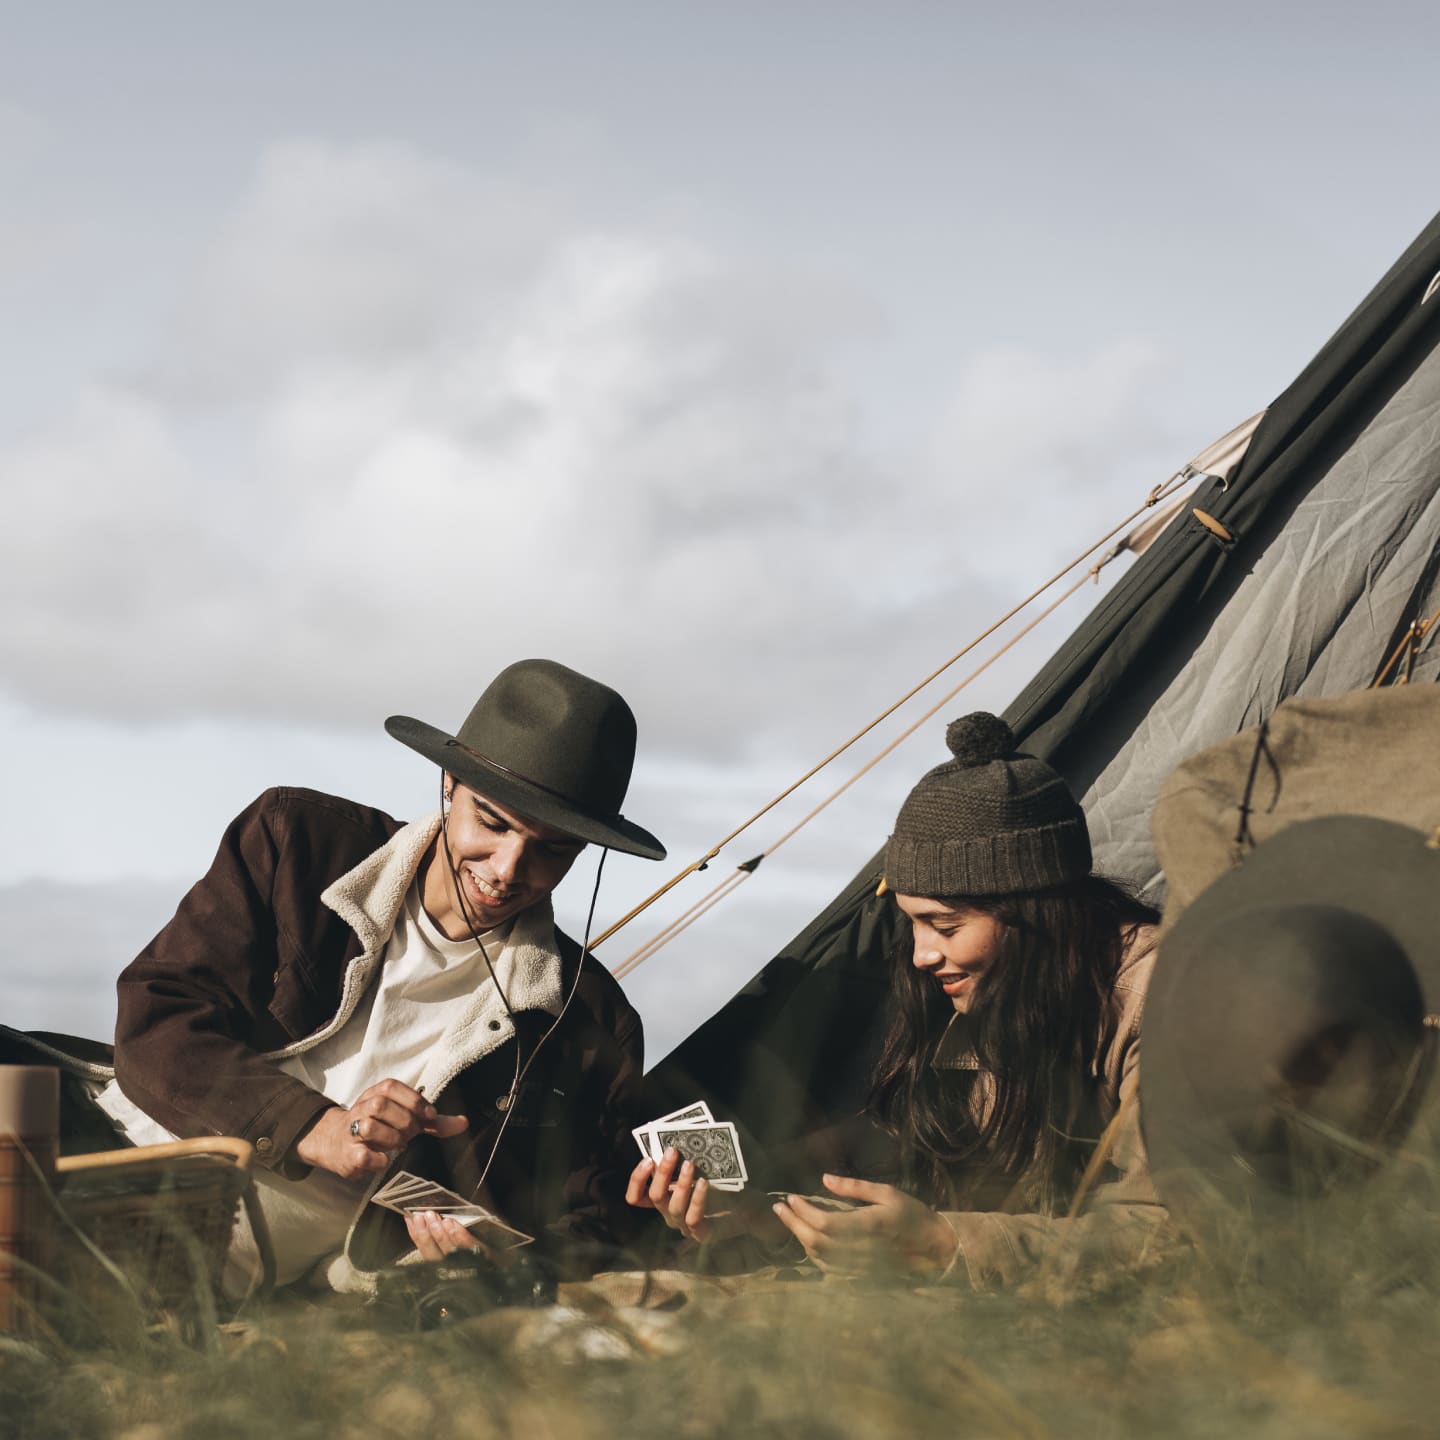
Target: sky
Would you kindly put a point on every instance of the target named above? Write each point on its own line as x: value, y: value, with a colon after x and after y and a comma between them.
x: 751, y: 357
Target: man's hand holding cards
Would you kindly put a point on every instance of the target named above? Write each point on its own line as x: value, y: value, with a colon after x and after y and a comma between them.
x: 430, y: 1210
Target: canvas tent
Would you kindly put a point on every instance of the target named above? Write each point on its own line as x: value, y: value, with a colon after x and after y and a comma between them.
x: 1313, y: 558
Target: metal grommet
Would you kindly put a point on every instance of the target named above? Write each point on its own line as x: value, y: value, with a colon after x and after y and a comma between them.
x: 494, y: 1024
x: 503, y: 1103
x: 264, y: 1145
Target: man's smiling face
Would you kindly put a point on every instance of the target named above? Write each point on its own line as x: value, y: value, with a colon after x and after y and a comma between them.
x: 504, y: 863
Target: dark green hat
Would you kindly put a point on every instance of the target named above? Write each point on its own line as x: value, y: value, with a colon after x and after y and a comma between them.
x: 1285, y: 1031
x: 550, y: 743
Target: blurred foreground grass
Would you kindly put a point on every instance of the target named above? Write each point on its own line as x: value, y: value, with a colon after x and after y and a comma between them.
x: 1328, y: 1330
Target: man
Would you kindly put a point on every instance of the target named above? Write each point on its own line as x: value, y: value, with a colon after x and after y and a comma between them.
x: 355, y: 996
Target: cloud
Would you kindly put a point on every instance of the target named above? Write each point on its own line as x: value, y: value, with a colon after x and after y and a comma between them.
x: 413, y: 422
x: 360, y: 257
x: 1042, y: 454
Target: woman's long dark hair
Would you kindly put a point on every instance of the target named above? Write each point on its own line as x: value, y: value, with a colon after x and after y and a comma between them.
x: 1035, y: 1026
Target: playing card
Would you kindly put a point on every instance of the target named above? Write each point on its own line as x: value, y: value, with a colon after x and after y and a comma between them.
x: 407, y: 1194
x: 714, y: 1148
x: 696, y: 1113
x: 408, y: 1186
x: 403, y: 1183
x: 397, y: 1184
x: 820, y: 1202
x: 416, y: 1193
x: 425, y: 1197
x: 489, y: 1228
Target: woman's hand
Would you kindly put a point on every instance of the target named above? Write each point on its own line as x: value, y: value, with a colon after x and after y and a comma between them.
x: 682, y: 1208
x: 891, y: 1231
x: 685, y: 1206
x: 436, y: 1236
x: 360, y: 1141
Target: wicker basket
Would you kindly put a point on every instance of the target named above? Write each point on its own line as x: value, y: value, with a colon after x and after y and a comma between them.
x: 154, y: 1225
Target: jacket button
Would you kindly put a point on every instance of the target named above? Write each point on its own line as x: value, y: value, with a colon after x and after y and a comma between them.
x: 264, y: 1145
x: 503, y: 1103
x: 494, y: 1024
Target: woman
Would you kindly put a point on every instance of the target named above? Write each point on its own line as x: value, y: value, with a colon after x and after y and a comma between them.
x: 1009, y: 1074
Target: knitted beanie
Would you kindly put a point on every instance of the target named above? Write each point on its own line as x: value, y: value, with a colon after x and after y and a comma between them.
x: 988, y: 822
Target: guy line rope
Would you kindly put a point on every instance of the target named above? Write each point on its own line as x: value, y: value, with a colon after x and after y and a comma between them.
x: 1411, y: 643
x: 745, y: 871
x: 1219, y: 458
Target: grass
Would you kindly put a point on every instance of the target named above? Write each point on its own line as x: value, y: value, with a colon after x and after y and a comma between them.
x: 1180, y: 1355
x: 1330, y: 1331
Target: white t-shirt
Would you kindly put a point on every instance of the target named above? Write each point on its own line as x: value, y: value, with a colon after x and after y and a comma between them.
x: 404, y: 1013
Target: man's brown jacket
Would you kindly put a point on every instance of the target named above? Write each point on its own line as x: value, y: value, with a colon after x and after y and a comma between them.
x: 272, y: 950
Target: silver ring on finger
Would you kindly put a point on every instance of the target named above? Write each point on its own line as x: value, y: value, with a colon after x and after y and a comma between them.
x: 355, y: 1129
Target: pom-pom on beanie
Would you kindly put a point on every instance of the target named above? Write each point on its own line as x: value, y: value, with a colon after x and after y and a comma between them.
x: 989, y: 821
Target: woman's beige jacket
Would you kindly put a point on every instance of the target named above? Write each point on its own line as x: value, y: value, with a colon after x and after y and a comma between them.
x: 1117, y: 1214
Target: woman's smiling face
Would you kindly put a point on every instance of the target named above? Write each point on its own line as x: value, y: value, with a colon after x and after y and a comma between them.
x: 955, y: 944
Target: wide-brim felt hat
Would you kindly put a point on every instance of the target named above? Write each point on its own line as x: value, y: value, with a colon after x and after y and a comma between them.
x: 1281, y: 993
x: 549, y: 743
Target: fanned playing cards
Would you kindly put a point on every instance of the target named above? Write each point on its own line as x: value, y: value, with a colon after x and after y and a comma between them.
x: 712, y: 1145
x: 406, y: 1194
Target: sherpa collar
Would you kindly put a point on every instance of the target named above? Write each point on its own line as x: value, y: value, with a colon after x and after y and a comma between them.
x: 369, y: 899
